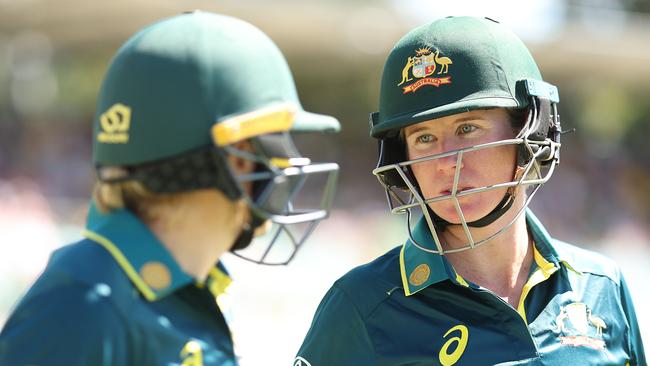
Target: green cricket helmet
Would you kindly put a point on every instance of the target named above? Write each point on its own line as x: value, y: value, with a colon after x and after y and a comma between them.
x: 455, y: 65
x: 182, y: 91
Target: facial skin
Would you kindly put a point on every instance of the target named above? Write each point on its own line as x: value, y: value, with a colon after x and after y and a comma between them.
x: 478, y: 169
x: 244, y: 166
x: 207, y: 219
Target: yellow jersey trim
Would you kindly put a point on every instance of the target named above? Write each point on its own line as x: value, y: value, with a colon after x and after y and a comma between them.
x: 571, y: 268
x: 121, y: 260
x: 276, y: 118
x: 461, y: 280
x: 544, y: 270
x: 192, y: 354
x: 402, y: 268
x: 219, y: 283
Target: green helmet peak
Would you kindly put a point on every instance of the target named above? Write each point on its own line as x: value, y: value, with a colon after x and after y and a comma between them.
x: 172, y: 81
x: 449, y: 66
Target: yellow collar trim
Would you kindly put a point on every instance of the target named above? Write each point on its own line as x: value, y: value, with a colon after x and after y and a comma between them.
x: 544, y: 270
x: 219, y: 283
x: 570, y: 267
x: 402, y: 267
x: 133, y: 275
x: 461, y: 280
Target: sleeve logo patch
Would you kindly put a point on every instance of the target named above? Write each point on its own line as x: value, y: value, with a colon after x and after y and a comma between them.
x: 114, y: 124
x: 421, y: 67
x: 454, y: 348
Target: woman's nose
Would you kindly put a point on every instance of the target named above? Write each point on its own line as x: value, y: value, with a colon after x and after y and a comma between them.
x: 448, y: 163
x: 451, y: 161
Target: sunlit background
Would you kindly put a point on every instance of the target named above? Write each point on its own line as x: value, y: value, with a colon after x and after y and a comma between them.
x: 53, y: 55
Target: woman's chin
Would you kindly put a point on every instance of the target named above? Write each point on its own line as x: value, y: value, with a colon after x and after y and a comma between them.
x: 471, y: 212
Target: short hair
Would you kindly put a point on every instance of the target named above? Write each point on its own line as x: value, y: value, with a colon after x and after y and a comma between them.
x: 518, y: 117
x: 133, y: 196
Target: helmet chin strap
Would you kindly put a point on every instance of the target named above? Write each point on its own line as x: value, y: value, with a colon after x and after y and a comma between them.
x: 502, y: 207
x: 247, y: 233
x: 244, y: 239
x: 495, y: 214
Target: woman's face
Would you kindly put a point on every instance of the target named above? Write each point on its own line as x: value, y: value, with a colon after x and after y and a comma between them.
x: 480, y: 168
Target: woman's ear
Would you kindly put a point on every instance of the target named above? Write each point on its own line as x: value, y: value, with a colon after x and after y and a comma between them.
x: 238, y: 164
x: 242, y: 213
x: 519, y: 172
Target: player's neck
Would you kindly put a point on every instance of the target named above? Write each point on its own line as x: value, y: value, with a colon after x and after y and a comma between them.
x: 502, y: 264
x: 199, y: 231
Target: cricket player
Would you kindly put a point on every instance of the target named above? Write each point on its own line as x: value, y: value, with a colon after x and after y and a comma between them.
x: 194, y: 157
x: 468, y: 131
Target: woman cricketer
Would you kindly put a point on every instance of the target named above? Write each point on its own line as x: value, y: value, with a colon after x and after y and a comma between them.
x: 194, y: 157
x: 468, y: 132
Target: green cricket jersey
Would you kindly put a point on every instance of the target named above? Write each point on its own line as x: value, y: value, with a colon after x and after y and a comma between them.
x: 410, y: 307
x: 118, y: 298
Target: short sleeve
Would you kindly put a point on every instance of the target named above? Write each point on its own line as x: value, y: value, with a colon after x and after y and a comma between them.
x: 337, y: 335
x: 636, y: 344
x: 69, y: 325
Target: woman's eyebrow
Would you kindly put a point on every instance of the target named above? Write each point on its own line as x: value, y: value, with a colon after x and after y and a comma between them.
x: 409, y: 132
x: 467, y: 119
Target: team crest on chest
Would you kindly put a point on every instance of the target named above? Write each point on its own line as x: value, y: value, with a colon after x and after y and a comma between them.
x: 578, y: 326
x: 423, y: 69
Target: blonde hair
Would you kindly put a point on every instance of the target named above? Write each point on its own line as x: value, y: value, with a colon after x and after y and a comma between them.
x: 133, y: 196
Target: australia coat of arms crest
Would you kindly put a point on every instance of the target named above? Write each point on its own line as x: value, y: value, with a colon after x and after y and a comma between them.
x: 426, y: 67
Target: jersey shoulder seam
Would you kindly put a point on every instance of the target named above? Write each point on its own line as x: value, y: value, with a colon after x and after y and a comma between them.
x: 587, y: 261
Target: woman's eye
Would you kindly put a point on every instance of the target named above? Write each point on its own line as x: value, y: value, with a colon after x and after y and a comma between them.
x: 466, y: 129
x: 425, y: 139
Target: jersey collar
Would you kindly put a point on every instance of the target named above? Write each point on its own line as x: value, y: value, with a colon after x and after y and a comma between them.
x: 148, y: 264
x: 421, y: 269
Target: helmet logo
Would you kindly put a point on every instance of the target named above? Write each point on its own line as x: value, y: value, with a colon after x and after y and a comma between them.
x: 421, y: 66
x: 115, y: 124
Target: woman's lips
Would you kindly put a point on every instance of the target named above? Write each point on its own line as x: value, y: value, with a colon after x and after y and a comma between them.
x: 447, y: 192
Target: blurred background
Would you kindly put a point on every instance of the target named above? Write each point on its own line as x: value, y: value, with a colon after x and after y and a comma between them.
x: 53, y: 55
